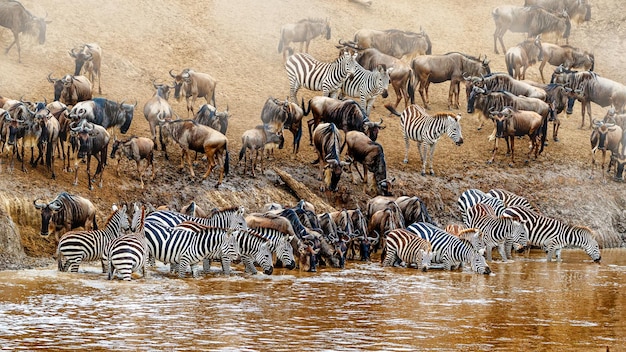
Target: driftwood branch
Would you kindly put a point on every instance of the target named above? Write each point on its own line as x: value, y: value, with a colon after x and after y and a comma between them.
x: 303, y: 192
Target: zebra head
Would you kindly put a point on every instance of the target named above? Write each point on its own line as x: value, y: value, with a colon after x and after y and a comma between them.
x: 426, y: 259
x: 453, y: 129
x: 519, y: 234
x: 479, y: 264
x: 230, y: 247
x: 284, y: 251
x: 264, y: 257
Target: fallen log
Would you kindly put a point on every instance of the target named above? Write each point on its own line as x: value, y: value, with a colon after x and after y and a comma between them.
x: 303, y: 192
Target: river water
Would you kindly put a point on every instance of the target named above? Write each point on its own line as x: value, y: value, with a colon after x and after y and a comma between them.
x: 528, y: 304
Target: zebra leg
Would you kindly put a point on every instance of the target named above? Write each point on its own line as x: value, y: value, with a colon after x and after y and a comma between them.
x: 502, y: 251
x: 389, y: 258
x: 430, y: 158
x: 226, y: 265
x: 406, y: 148
x: 249, y: 263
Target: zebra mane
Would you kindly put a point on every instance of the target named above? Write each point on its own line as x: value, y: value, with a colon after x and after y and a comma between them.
x: 443, y: 114
x: 256, y: 234
x: 223, y: 210
x: 111, y: 216
x: 584, y: 228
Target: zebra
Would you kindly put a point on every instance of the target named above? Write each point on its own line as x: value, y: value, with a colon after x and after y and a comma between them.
x: 227, y: 217
x: 88, y: 245
x: 473, y: 196
x: 367, y: 85
x: 419, y: 126
x: 407, y: 247
x: 328, y: 77
x: 184, y: 245
x: 500, y: 232
x: 449, y: 250
x: 552, y: 235
x: 256, y: 248
x: 511, y: 199
x: 128, y: 253
x: 280, y: 244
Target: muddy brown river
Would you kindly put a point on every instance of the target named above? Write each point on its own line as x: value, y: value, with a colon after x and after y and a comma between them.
x: 524, y: 305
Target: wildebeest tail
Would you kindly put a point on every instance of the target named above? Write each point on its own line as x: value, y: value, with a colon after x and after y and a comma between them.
x: 391, y: 109
x: 242, y: 152
x: 509, y: 63
x: 429, y: 48
x: 544, y: 132
x: 304, y: 110
x: 226, y: 162
x: 411, y: 89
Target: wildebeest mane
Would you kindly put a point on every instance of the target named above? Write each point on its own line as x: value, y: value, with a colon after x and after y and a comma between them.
x: 331, y: 144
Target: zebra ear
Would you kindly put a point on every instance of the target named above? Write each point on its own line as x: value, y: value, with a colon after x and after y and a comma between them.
x: 114, y: 207
x: 481, y: 251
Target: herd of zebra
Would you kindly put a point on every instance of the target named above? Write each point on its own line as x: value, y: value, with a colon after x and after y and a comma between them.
x: 299, y: 237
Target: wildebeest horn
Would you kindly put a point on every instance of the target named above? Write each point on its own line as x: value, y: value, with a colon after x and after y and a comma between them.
x: 72, y: 53
x: 136, y: 102
x: 154, y: 84
x: 55, y: 205
x: 50, y: 79
x: 173, y: 76
x: 39, y: 205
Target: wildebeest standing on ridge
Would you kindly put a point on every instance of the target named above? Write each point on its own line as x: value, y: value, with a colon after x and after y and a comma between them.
x: 194, y: 85
x: 302, y: 32
x: 392, y: 42
x: 14, y: 16
x: 89, y: 57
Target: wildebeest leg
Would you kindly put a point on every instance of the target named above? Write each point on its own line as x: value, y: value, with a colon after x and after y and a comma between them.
x: 140, y: 170
x: 406, y: 148
x: 422, y: 87
x: 495, y: 149
x: 311, y: 124
x: 555, y: 129
x: 186, y: 156
x: 512, y: 138
x: 88, y: 172
x: 16, y: 41
x: 210, y: 155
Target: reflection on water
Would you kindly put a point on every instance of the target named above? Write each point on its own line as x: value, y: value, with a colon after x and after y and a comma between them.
x: 528, y: 304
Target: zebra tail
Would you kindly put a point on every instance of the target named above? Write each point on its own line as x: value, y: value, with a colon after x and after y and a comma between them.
x: 509, y: 64
x: 226, y: 163
x: 95, y: 225
x: 392, y: 110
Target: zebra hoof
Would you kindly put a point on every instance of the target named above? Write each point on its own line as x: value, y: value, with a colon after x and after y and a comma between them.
x: 405, y: 161
x: 423, y: 173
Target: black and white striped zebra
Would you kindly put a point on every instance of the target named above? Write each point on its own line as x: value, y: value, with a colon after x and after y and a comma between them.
x: 182, y: 246
x: 419, y: 126
x: 449, y: 250
x: 76, y: 247
x: 367, y: 85
x: 473, y: 196
x: 552, y: 235
x: 228, y: 217
x: 305, y: 71
x: 128, y: 253
x: 405, y: 246
x: 254, y: 248
x: 511, y: 199
x: 496, y: 231
x: 280, y: 244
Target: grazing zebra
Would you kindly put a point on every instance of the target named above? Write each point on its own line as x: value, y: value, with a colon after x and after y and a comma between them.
x: 473, y: 196
x: 419, y: 126
x: 511, y: 199
x: 407, y: 247
x: 303, y: 70
x: 78, y: 246
x: 256, y: 248
x: 367, y: 85
x: 182, y: 246
x: 449, y: 250
x: 552, y: 235
x: 500, y: 232
x: 280, y: 244
x: 128, y: 253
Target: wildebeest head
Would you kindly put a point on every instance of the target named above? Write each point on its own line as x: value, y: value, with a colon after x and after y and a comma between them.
x: 372, y: 129
x: 332, y: 173
x: 38, y: 27
x: 80, y: 58
x: 84, y: 133
x: 57, y: 86
x: 125, y: 113
x: 471, y: 101
x: 178, y: 81
x: 47, y: 212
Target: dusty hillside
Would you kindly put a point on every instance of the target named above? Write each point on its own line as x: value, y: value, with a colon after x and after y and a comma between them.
x: 236, y: 42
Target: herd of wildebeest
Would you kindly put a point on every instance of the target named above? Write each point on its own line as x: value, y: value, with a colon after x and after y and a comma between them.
x: 78, y: 126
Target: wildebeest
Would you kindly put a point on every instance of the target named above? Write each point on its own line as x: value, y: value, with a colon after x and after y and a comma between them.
x: 522, y: 56
x: 66, y: 212
x: 93, y: 141
x: 400, y: 73
x: 371, y: 155
x: 413, y: 209
x: 326, y: 140
x: 137, y: 149
x: 532, y: 20
x: 503, y: 82
x: 255, y: 140
x: 392, y: 42
x: 61, y: 113
x: 193, y: 85
x: 191, y: 136
x: 104, y: 112
x: 275, y: 113
x: 302, y: 32
x: 448, y: 67
x: 209, y: 116
x: 71, y: 89
x: 49, y: 136
x: 89, y: 57
x: 579, y: 10
x: 156, y: 109
x: 384, y: 220
x: 15, y: 17
x: 557, y: 96
x: 567, y: 56
x: 604, y: 137
x: 511, y: 123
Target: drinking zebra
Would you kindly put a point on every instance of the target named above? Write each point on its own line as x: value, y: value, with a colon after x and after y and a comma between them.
x: 367, y: 85
x: 280, y: 244
x: 419, y: 126
x: 500, y: 232
x: 255, y: 248
x: 449, y: 250
x: 511, y: 199
x: 406, y: 247
x: 552, y: 235
x: 305, y: 71
x: 128, y: 253
x: 79, y: 246
x: 473, y: 196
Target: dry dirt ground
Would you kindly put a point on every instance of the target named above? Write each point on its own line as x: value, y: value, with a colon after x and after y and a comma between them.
x: 236, y: 42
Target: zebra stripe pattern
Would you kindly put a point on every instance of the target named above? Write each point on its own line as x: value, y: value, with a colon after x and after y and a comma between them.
x: 255, y: 248
x: 305, y: 71
x: 367, y: 85
x: 407, y: 247
x: 473, y: 196
x: 79, y: 246
x: 419, y: 126
x: 500, y: 232
x: 552, y: 235
x: 449, y: 250
x: 229, y: 217
x: 280, y: 244
x: 128, y: 253
x: 511, y: 199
